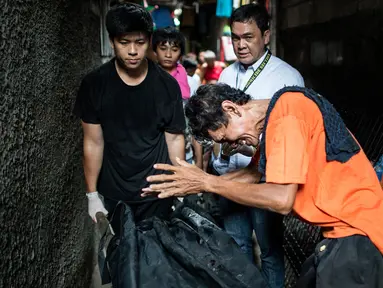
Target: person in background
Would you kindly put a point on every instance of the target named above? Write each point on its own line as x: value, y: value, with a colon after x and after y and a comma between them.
x: 194, y: 149
x: 259, y: 74
x: 201, y: 58
x: 191, y: 66
x: 211, y: 69
x: 169, y: 46
x: 132, y: 117
x: 200, y: 61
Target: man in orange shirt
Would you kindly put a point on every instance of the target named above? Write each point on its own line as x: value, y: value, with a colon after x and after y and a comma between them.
x: 313, y: 167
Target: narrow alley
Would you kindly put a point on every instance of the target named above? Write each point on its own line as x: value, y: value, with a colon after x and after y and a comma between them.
x: 73, y: 146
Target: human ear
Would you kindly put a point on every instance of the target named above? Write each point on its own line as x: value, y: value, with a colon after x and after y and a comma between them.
x: 266, y: 37
x: 230, y: 108
x: 111, y: 41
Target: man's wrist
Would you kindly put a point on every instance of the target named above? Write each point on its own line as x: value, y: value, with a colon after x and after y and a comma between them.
x: 208, y: 183
x: 92, y: 195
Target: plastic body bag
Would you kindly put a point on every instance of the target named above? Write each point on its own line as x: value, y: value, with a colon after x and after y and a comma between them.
x: 189, y: 251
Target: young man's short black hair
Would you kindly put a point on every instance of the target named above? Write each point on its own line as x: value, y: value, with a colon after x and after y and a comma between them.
x: 252, y: 12
x: 168, y: 35
x: 126, y: 18
x: 204, y: 110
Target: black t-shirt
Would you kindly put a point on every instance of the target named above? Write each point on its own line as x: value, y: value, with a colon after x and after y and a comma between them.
x: 133, y: 121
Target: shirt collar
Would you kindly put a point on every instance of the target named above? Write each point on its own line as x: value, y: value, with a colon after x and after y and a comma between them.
x: 176, y: 71
x: 255, y: 65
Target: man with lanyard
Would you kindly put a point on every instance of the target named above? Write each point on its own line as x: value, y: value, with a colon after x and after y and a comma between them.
x: 259, y: 74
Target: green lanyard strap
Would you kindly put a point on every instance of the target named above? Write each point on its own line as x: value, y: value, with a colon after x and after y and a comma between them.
x: 256, y: 72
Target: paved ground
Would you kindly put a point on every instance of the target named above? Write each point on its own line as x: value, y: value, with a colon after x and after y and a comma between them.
x: 96, y: 280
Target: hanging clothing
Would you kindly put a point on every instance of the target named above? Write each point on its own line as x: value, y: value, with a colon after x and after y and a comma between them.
x: 162, y: 18
x: 224, y: 8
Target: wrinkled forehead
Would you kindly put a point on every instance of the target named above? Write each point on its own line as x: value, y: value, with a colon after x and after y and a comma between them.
x: 243, y: 28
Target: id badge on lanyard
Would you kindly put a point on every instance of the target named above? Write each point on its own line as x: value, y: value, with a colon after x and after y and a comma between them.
x: 255, y: 73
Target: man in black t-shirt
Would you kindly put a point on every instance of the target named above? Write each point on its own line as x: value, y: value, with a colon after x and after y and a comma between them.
x: 132, y: 118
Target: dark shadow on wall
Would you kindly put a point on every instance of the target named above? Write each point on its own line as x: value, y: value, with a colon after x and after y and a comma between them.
x: 46, y: 48
x: 342, y: 60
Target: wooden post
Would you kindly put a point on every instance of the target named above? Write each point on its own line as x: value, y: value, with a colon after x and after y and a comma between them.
x: 272, y: 7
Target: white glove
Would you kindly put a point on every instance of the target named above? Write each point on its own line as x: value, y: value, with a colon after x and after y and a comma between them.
x: 95, y: 205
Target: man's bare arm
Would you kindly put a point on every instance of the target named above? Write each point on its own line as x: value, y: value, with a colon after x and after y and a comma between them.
x: 187, y: 179
x: 275, y: 197
x: 176, y: 146
x: 93, y: 154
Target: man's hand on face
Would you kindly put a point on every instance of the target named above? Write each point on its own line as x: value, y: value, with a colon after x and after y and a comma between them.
x: 186, y: 179
x: 230, y: 149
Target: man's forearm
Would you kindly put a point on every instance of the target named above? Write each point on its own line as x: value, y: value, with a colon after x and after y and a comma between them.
x: 176, y: 146
x: 274, y: 197
x: 93, y: 155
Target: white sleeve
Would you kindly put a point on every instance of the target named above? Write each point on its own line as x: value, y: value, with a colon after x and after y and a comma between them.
x: 290, y: 78
x: 285, y: 78
x: 222, y: 78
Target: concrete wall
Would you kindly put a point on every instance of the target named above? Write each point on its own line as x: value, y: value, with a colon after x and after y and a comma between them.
x: 297, y: 13
x: 45, y: 47
x: 337, y: 46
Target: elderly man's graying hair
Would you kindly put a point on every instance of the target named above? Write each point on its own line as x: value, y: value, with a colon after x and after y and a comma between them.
x: 204, y: 109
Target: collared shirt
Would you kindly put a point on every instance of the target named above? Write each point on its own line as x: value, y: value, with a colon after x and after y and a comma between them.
x: 181, y: 76
x: 193, y: 84
x: 276, y: 75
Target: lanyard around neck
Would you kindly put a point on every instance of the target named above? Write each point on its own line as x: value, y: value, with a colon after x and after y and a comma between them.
x: 256, y: 72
